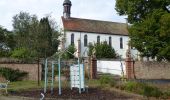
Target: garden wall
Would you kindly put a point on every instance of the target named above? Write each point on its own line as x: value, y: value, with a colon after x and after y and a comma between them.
x: 152, y: 70
x: 110, y: 66
x: 32, y: 70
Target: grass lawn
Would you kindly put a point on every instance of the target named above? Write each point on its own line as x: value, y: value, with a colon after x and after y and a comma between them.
x: 23, y: 85
x: 26, y: 85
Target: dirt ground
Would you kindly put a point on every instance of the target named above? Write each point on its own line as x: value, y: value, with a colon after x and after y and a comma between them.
x: 68, y: 94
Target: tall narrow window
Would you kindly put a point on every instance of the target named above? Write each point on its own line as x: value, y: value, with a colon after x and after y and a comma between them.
x: 98, y: 39
x: 121, y: 43
x: 72, y: 39
x: 85, y: 40
x: 110, y: 41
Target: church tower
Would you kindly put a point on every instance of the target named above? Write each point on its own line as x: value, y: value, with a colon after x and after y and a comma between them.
x: 67, y: 9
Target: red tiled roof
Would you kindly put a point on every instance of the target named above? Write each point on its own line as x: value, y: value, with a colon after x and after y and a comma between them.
x: 94, y: 26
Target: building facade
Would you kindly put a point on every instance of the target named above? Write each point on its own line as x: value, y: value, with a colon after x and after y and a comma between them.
x: 94, y: 31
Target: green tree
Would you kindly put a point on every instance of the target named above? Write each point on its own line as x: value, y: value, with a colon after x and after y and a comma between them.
x: 7, y: 42
x: 22, y: 23
x: 103, y: 50
x: 39, y: 38
x: 47, y: 38
x: 149, y: 31
x: 137, y: 10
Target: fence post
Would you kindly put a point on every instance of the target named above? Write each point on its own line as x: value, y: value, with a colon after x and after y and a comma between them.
x: 93, y: 68
x: 129, y: 65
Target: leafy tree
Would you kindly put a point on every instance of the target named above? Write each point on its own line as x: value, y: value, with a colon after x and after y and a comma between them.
x: 7, y: 42
x: 137, y: 10
x: 38, y: 37
x: 22, y: 23
x: 103, y: 50
x: 47, y: 39
x: 149, y: 31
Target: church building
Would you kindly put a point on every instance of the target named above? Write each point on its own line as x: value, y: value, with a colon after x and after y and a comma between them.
x: 94, y: 31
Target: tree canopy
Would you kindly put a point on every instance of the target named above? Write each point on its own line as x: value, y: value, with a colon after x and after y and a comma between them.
x: 149, y: 32
x: 7, y: 42
x: 34, y: 38
x: 137, y: 10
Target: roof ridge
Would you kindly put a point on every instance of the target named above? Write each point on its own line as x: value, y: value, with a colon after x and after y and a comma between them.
x: 95, y: 26
x: 96, y: 20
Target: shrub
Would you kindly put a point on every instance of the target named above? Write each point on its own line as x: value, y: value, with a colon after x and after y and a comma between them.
x: 70, y: 54
x: 105, y: 79
x: 11, y: 74
x: 143, y: 89
x: 165, y: 95
x: 102, y: 50
x: 24, y: 54
x: 150, y: 91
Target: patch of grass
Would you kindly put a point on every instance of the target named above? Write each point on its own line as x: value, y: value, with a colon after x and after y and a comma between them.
x: 23, y: 85
x: 143, y: 89
x: 93, y: 83
x: 26, y: 85
x: 107, y: 80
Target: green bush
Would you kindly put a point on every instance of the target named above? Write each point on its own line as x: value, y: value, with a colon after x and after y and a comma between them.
x: 150, y: 91
x: 70, y: 54
x: 143, y: 89
x: 11, y: 74
x: 165, y: 95
x: 102, y: 50
x: 105, y: 79
x: 25, y: 54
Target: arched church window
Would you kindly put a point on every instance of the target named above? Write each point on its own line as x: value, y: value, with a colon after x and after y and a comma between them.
x: 85, y: 40
x: 98, y: 39
x: 121, y: 43
x: 72, y: 39
x: 110, y: 41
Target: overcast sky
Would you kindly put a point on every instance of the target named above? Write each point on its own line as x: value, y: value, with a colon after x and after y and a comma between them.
x: 89, y: 9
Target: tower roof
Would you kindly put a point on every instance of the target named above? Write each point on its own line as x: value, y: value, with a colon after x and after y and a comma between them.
x: 67, y: 2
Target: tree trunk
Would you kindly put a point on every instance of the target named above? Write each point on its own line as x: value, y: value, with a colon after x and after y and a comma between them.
x: 38, y: 71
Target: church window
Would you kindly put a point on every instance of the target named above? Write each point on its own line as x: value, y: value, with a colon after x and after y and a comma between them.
x: 72, y: 39
x: 98, y: 39
x: 121, y: 43
x: 110, y: 41
x: 85, y: 40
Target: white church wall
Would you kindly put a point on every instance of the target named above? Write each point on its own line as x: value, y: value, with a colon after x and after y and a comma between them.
x: 92, y: 37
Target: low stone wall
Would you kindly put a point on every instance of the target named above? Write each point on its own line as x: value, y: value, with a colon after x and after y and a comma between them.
x: 152, y: 70
x: 32, y: 70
